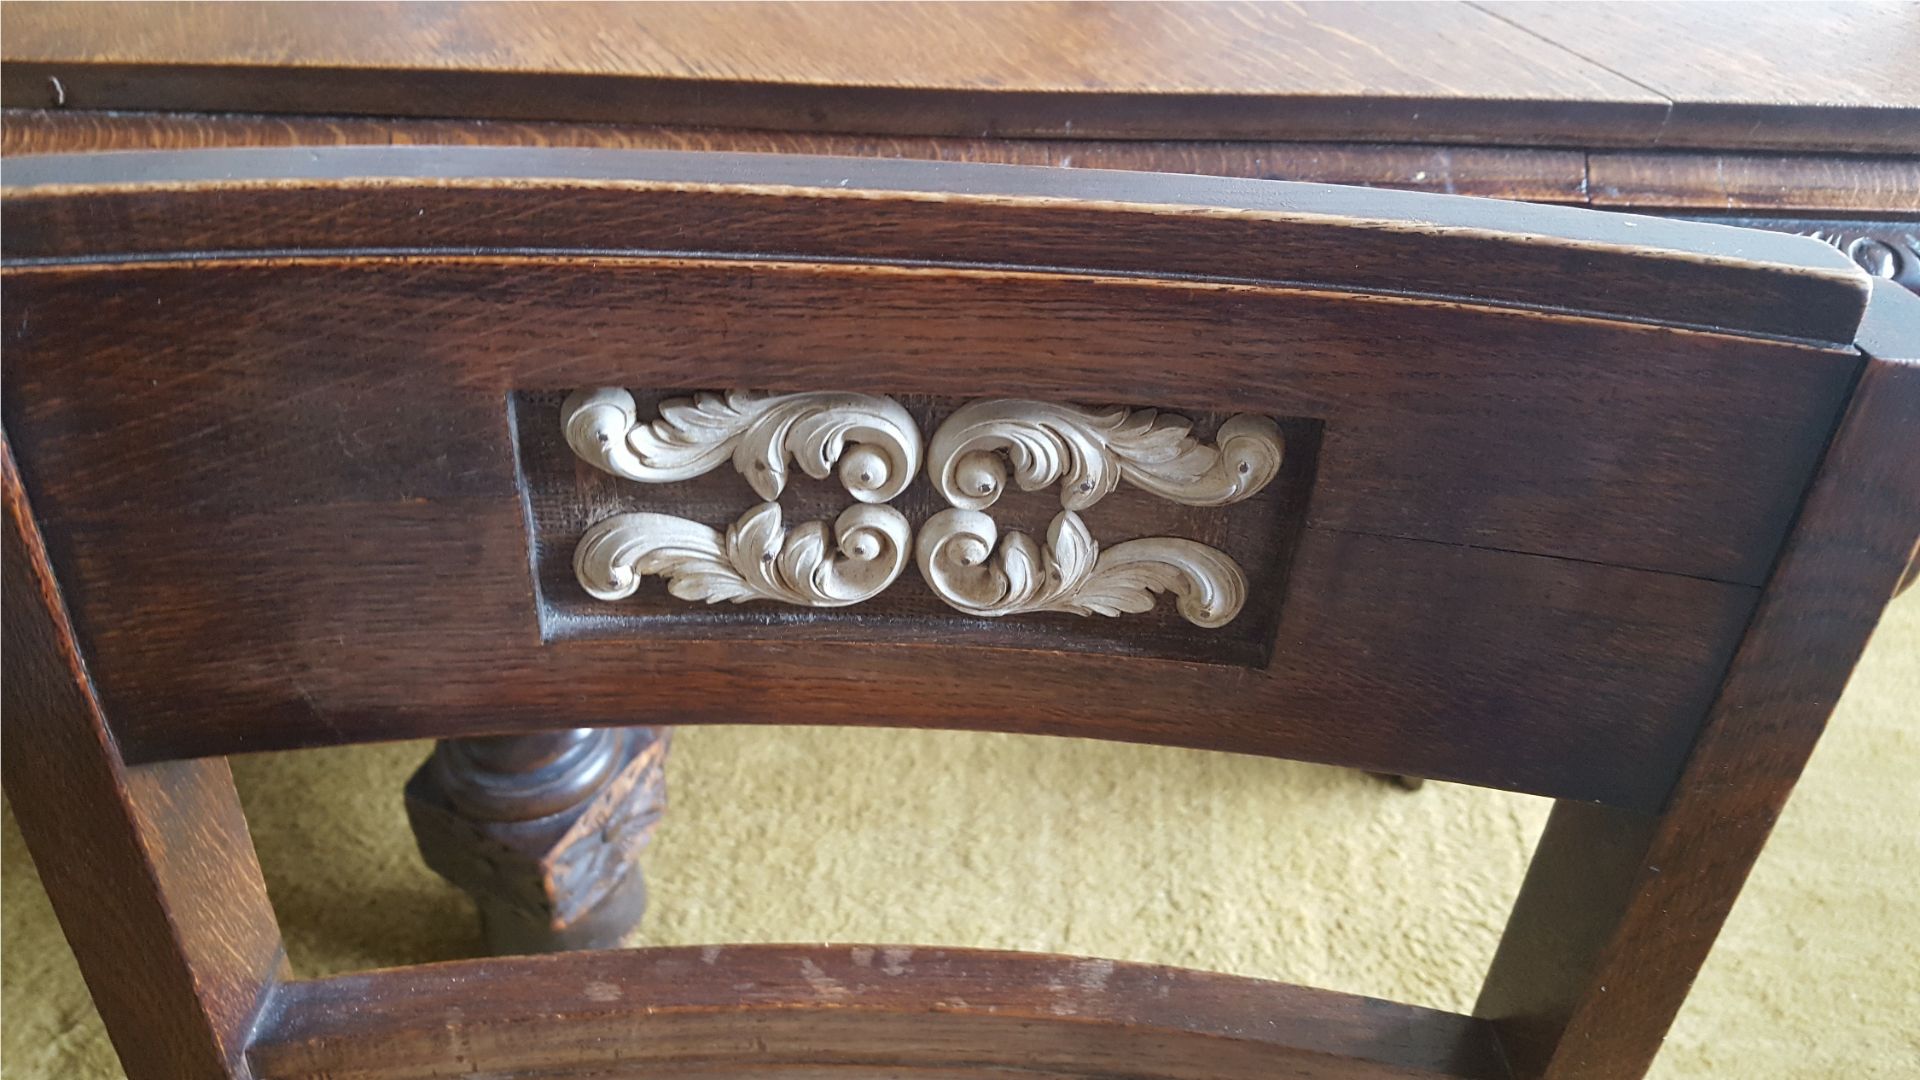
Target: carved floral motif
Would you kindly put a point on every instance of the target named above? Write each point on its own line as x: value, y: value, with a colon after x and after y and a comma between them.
x: 1089, y: 451
x: 960, y: 551
x: 754, y: 560
x: 874, y: 440
x: 965, y: 561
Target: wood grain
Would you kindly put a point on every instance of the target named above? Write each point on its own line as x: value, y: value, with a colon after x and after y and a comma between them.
x: 1729, y: 71
x: 543, y: 831
x: 1888, y: 250
x: 355, y: 466
x: 1151, y: 47
x: 1753, y: 182
x: 849, y: 1011
x: 1618, y: 911
x: 1441, y: 72
x: 407, y: 398
x: 149, y: 867
x: 1548, y: 676
x: 1626, y: 180
x: 267, y: 427
x: 345, y: 450
x: 1532, y: 174
x: 1101, y: 71
x: 170, y: 205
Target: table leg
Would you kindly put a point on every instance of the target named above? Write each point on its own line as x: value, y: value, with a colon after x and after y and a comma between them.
x: 542, y: 830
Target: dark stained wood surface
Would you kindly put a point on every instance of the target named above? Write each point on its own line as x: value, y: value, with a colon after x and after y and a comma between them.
x: 344, y: 449
x: 1724, y: 183
x: 341, y: 525
x: 1691, y: 484
x: 1546, y: 675
x: 149, y: 868
x: 543, y: 831
x: 1886, y: 249
x: 1823, y: 77
x: 1618, y: 911
x: 850, y: 1011
x: 172, y: 205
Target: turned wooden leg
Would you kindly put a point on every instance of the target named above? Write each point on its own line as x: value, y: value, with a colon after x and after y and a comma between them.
x: 542, y: 831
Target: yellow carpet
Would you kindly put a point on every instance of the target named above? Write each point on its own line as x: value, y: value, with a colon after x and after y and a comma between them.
x: 1275, y: 869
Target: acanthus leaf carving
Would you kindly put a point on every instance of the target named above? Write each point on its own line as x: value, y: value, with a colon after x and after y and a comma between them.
x: 874, y: 441
x: 755, y: 559
x: 965, y: 560
x: 1089, y: 451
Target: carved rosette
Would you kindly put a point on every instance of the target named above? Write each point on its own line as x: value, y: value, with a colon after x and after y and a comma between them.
x: 874, y: 440
x: 963, y: 558
x: 1089, y: 451
x: 754, y: 560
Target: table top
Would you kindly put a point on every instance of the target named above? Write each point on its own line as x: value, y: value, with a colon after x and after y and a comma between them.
x: 1826, y: 77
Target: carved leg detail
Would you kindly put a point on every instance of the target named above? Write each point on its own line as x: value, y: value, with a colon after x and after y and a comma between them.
x: 542, y: 831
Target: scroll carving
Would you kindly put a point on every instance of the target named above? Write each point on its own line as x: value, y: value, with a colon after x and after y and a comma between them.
x: 1892, y: 255
x: 1089, y: 451
x: 755, y: 559
x: 963, y: 558
x: 960, y: 551
x: 874, y: 440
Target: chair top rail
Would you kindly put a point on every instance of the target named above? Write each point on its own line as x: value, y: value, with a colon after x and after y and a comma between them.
x: 252, y: 202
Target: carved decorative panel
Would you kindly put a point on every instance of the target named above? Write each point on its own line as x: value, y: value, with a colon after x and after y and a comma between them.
x: 755, y: 559
x: 1030, y: 524
x: 872, y: 439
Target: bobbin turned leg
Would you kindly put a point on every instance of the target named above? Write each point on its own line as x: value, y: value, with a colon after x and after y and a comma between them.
x: 542, y: 830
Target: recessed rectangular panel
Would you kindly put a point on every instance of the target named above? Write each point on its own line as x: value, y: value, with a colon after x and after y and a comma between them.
x: 566, y: 496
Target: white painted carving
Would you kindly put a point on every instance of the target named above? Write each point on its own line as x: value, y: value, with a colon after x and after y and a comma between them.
x: 755, y: 560
x: 1089, y: 451
x: 964, y: 559
x: 874, y: 440
x: 960, y: 551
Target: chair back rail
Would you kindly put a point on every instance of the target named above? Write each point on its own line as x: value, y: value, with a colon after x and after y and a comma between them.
x: 1600, y: 510
x: 1522, y: 520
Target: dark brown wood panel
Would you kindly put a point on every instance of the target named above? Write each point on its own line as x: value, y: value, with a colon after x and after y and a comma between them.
x: 1774, y: 183
x: 185, y: 205
x: 372, y: 380
x: 149, y: 867
x: 1532, y: 174
x: 805, y: 1012
x: 418, y: 620
x: 1531, y: 536
x: 1888, y: 249
x: 1618, y: 911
